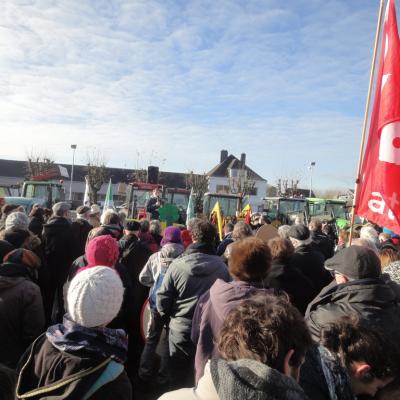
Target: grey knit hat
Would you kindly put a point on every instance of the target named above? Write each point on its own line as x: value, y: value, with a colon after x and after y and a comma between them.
x: 17, y: 220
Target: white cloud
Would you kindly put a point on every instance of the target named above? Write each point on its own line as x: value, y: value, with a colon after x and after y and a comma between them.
x: 283, y: 82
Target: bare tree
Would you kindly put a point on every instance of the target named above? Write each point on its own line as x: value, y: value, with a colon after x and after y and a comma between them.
x: 199, y: 184
x: 96, y: 174
x: 38, y: 164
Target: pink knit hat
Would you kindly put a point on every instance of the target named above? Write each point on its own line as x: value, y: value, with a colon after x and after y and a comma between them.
x: 102, y: 250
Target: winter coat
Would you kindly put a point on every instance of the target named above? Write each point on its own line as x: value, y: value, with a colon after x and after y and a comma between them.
x: 371, y: 299
x: 58, y: 247
x: 285, y: 277
x: 241, y: 379
x: 322, y: 375
x: 156, y: 267
x: 152, y: 207
x: 36, y: 226
x: 310, y: 262
x: 211, y: 310
x: 225, y: 242
x: 21, y: 313
x: 134, y: 255
x: 58, y: 253
x: 187, y: 278
x: 46, y: 372
x: 152, y: 269
x: 323, y: 243
x: 5, y: 248
x: 80, y: 231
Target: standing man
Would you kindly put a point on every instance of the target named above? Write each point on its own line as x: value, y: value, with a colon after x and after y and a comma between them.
x: 187, y: 278
x: 154, y: 203
x: 80, y: 230
x: 57, y: 247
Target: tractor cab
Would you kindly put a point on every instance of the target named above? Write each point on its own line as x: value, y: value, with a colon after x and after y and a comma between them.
x: 230, y: 204
x: 285, y: 210
x: 136, y: 197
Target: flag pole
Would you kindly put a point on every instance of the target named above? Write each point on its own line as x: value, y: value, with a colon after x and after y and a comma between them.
x: 364, y: 128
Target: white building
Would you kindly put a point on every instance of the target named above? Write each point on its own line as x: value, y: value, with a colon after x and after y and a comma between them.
x: 232, y: 175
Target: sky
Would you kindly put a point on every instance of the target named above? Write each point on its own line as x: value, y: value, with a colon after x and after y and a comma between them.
x: 171, y: 83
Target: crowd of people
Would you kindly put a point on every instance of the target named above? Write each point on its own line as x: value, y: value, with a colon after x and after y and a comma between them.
x: 304, y: 315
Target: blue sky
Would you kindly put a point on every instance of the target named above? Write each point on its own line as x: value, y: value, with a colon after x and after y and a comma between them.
x: 172, y: 83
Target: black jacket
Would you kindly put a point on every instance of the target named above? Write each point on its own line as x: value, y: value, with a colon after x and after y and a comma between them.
x: 80, y: 231
x: 152, y: 207
x: 323, y: 243
x: 284, y: 276
x: 371, y: 299
x: 21, y: 312
x: 58, y: 246
x: 310, y: 262
x: 49, y: 373
x: 36, y: 226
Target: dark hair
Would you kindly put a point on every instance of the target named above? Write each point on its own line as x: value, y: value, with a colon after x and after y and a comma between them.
x: 281, y: 249
x: 144, y: 226
x: 264, y: 328
x: 229, y: 226
x: 250, y: 260
x: 16, y: 236
x: 7, y: 208
x: 37, y: 212
x: 8, y: 380
x: 352, y: 341
x: 203, y: 231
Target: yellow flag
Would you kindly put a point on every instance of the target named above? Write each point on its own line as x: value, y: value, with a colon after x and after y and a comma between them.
x: 246, y: 209
x: 217, y: 211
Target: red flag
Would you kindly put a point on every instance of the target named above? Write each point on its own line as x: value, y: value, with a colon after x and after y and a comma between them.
x: 379, y: 194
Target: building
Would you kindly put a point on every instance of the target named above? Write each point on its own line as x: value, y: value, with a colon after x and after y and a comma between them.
x: 13, y: 173
x: 232, y: 175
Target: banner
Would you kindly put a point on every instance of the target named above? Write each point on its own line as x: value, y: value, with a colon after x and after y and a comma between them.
x: 379, y: 187
x: 190, y: 208
x: 216, y: 217
x: 109, y: 202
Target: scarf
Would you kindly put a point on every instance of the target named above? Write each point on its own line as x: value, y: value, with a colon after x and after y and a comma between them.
x: 336, y: 376
x: 74, y: 338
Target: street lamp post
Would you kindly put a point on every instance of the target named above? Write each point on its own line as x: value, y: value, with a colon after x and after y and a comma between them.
x: 73, y: 147
x: 311, y: 167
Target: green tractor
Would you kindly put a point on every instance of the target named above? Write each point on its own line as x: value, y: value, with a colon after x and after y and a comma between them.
x: 331, y: 210
x: 285, y: 210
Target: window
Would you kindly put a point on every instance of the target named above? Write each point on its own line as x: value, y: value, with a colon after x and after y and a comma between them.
x: 252, y: 191
x: 222, y: 189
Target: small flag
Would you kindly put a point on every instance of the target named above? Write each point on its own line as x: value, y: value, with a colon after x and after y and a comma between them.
x: 86, y: 197
x: 109, y: 202
x: 378, y: 199
x: 190, y: 208
x: 216, y: 216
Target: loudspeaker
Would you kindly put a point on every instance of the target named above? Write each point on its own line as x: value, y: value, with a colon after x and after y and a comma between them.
x: 152, y: 174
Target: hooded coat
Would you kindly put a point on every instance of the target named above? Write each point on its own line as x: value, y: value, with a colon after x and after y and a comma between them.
x: 285, y: 277
x: 310, y: 262
x: 58, y: 253
x: 80, y: 231
x: 21, y: 312
x: 371, y: 299
x: 210, y: 314
x: 46, y: 372
x: 241, y: 379
x: 187, y: 278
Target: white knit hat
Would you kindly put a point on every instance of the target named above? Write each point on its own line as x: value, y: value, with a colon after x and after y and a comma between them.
x: 17, y: 220
x: 95, y: 296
